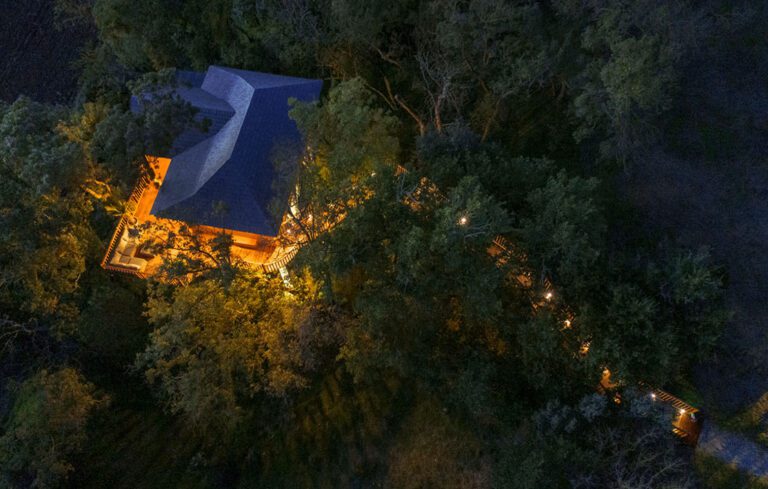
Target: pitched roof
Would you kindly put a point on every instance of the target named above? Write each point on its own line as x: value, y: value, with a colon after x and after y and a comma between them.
x: 223, y: 178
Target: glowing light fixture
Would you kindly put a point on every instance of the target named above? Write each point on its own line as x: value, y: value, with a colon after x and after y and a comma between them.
x: 463, y: 220
x: 548, y: 295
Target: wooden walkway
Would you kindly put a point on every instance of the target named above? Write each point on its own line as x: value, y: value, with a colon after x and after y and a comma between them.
x: 257, y: 251
x: 687, y: 422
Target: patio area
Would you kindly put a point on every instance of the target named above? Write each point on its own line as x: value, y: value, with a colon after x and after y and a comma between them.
x: 128, y: 251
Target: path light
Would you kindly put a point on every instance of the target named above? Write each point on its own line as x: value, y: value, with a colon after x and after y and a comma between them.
x: 653, y: 396
x: 682, y: 411
x: 548, y: 296
x: 567, y: 323
x: 463, y: 221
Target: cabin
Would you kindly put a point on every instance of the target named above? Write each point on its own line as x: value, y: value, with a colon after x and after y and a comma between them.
x: 218, y: 177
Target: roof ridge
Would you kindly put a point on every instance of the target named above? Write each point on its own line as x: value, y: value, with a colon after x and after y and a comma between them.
x: 233, y: 165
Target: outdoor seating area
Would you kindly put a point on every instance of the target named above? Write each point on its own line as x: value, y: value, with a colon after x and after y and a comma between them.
x: 126, y: 251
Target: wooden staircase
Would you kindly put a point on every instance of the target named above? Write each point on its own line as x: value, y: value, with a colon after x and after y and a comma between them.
x: 687, y: 421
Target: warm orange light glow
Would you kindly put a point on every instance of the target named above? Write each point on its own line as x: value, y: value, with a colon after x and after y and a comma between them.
x: 127, y: 254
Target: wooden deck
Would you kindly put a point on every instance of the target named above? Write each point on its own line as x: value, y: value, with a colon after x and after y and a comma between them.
x: 126, y: 255
x: 687, y: 421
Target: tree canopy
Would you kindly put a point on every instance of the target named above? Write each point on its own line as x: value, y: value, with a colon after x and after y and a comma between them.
x: 468, y: 263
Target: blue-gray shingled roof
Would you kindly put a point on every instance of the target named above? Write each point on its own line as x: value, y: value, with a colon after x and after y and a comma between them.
x: 223, y: 178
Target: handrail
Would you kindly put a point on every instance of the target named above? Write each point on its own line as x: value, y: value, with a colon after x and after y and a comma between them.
x: 281, y: 262
x: 137, y: 192
x: 113, y: 242
x: 130, y: 207
x: 129, y: 271
x: 270, y: 267
x: 678, y: 403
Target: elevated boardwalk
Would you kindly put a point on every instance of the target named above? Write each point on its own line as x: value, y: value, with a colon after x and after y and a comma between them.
x: 687, y: 422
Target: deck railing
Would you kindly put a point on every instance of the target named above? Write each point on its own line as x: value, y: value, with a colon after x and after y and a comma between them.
x: 135, y: 196
x: 113, y: 242
x: 686, y: 425
x: 275, y: 266
x: 130, y: 207
x: 676, y: 402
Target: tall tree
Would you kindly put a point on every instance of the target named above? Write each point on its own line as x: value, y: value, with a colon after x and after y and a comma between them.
x: 43, y: 211
x: 218, y: 348
x: 46, y: 428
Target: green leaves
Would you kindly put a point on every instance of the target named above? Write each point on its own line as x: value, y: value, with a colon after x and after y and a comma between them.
x: 351, y: 145
x: 564, y: 231
x: 632, y: 339
x: 625, y: 66
x: 218, y: 347
x: 47, y: 428
x: 43, y: 212
x: 470, y: 217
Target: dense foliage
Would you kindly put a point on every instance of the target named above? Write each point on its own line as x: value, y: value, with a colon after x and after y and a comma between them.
x: 470, y: 268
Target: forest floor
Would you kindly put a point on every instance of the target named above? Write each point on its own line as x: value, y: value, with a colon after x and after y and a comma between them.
x: 37, y: 56
x: 140, y: 447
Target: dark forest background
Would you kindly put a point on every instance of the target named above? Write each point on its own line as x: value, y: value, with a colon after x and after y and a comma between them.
x: 617, y: 145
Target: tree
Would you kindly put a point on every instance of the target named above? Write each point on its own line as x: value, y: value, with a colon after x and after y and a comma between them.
x: 336, y: 434
x: 625, y: 64
x: 551, y: 356
x: 564, y: 231
x: 119, y: 138
x: 492, y: 50
x: 694, y: 288
x: 643, y: 458
x: 349, y: 142
x: 458, y: 152
x: 111, y: 325
x: 440, y: 62
x: 46, y: 428
x: 269, y: 36
x: 592, y: 443
x: 44, y: 212
x: 632, y: 339
x: 434, y: 450
x: 282, y: 36
x: 217, y: 348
